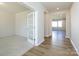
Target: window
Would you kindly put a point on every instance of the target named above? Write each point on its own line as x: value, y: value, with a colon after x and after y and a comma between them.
x: 56, y: 23
x: 59, y: 23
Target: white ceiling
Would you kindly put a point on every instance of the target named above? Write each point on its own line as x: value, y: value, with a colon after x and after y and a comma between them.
x: 12, y: 7
x: 51, y: 6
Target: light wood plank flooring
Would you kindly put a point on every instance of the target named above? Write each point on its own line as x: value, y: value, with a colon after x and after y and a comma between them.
x: 56, y: 45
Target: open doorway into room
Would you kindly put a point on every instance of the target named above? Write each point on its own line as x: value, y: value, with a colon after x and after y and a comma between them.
x: 58, y: 28
x: 16, y: 28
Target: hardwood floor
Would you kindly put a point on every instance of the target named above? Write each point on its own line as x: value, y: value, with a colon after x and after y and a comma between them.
x: 56, y: 45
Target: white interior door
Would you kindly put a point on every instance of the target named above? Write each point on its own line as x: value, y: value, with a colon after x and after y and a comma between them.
x: 30, y: 27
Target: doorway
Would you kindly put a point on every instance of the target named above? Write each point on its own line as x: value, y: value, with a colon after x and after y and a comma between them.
x: 58, y: 29
x: 16, y: 28
x: 31, y: 28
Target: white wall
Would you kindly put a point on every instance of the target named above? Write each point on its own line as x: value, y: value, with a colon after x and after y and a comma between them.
x: 11, y: 23
x: 47, y: 25
x: 6, y: 23
x: 75, y: 25
x: 20, y: 22
x: 39, y: 21
x: 68, y: 24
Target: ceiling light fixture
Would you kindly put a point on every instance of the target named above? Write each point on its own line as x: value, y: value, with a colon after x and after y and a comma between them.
x: 57, y: 8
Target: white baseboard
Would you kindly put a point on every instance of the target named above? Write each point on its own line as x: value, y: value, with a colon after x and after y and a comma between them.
x: 74, y: 47
x: 30, y: 41
x: 37, y: 44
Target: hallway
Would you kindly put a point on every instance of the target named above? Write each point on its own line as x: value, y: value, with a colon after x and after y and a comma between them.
x: 55, y: 46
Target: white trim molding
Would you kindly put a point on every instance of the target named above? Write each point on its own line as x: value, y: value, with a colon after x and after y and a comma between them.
x: 74, y: 47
